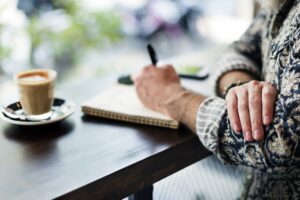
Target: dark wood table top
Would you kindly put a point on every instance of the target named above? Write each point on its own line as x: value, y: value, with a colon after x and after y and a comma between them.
x: 90, y: 158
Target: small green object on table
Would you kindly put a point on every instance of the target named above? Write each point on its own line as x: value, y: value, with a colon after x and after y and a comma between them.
x: 126, y: 80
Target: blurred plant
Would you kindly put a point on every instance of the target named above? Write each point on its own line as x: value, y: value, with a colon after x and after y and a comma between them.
x: 68, y: 32
x: 8, y: 31
x: 4, y: 50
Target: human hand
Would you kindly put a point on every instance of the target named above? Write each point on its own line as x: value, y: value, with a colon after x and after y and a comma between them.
x: 250, y: 106
x: 158, y: 86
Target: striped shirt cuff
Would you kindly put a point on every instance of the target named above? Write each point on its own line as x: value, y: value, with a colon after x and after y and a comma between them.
x: 234, y: 61
x: 209, y: 118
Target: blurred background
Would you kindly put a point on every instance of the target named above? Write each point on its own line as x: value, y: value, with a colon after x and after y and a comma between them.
x: 97, y: 38
x: 88, y: 38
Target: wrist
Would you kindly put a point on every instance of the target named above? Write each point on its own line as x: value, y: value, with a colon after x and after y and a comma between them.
x: 232, y: 77
x: 232, y: 85
x: 173, y: 94
x: 183, y: 105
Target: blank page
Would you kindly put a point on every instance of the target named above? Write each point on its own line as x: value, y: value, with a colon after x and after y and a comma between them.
x: 122, y: 99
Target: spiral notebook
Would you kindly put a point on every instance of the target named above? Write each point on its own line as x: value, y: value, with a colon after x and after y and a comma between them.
x: 120, y: 102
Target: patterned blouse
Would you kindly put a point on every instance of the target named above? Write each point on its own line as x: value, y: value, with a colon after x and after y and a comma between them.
x: 270, y: 49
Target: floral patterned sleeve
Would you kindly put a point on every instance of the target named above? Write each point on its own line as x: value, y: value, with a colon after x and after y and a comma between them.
x: 279, y: 152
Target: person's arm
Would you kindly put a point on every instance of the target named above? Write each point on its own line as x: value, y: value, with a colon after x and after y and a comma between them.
x: 250, y: 106
x: 159, y: 89
x: 241, y: 64
x: 276, y: 153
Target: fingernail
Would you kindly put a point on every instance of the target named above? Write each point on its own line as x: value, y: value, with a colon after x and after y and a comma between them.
x: 248, y: 136
x: 267, y: 119
x: 236, y: 128
x: 258, y: 134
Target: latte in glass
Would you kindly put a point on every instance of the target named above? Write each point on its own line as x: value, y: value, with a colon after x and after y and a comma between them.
x: 36, y: 91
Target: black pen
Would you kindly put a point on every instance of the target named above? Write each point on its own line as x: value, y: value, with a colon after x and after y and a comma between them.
x: 154, y: 60
x: 152, y: 54
x: 126, y: 80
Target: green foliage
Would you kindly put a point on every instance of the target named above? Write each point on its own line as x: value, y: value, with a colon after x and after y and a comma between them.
x: 186, y: 69
x: 86, y: 30
x: 4, y: 50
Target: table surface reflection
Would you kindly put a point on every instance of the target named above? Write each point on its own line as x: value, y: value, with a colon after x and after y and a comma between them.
x: 90, y: 158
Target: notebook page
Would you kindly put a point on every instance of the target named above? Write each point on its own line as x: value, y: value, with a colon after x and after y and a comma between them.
x: 122, y: 99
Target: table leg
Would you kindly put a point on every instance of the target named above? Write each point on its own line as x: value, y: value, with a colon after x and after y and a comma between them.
x: 143, y: 194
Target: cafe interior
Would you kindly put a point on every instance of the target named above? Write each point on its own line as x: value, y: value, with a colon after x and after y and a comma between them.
x: 90, y: 45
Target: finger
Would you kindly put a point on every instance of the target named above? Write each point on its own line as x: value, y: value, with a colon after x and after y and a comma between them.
x: 232, y: 103
x: 149, y: 66
x: 148, y: 71
x: 269, y: 94
x: 144, y: 71
x: 255, y: 109
x: 243, y: 111
x: 140, y: 89
x: 170, y: 67
x: 171, y: 74
x: 134, y: 77
x: 137, y: 80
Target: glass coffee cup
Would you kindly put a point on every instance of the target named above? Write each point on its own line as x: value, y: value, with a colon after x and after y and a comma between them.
x: 36, y: 92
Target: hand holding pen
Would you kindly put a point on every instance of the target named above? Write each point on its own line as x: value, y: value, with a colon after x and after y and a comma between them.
x: 154, y: 59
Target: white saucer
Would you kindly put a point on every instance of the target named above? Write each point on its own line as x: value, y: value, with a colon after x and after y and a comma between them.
x: 61, y: 109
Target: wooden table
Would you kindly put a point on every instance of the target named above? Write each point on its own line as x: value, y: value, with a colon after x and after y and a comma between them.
x: 88, y: 158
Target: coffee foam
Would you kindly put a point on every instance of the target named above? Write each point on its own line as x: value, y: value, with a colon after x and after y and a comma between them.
x: 35, y: 77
